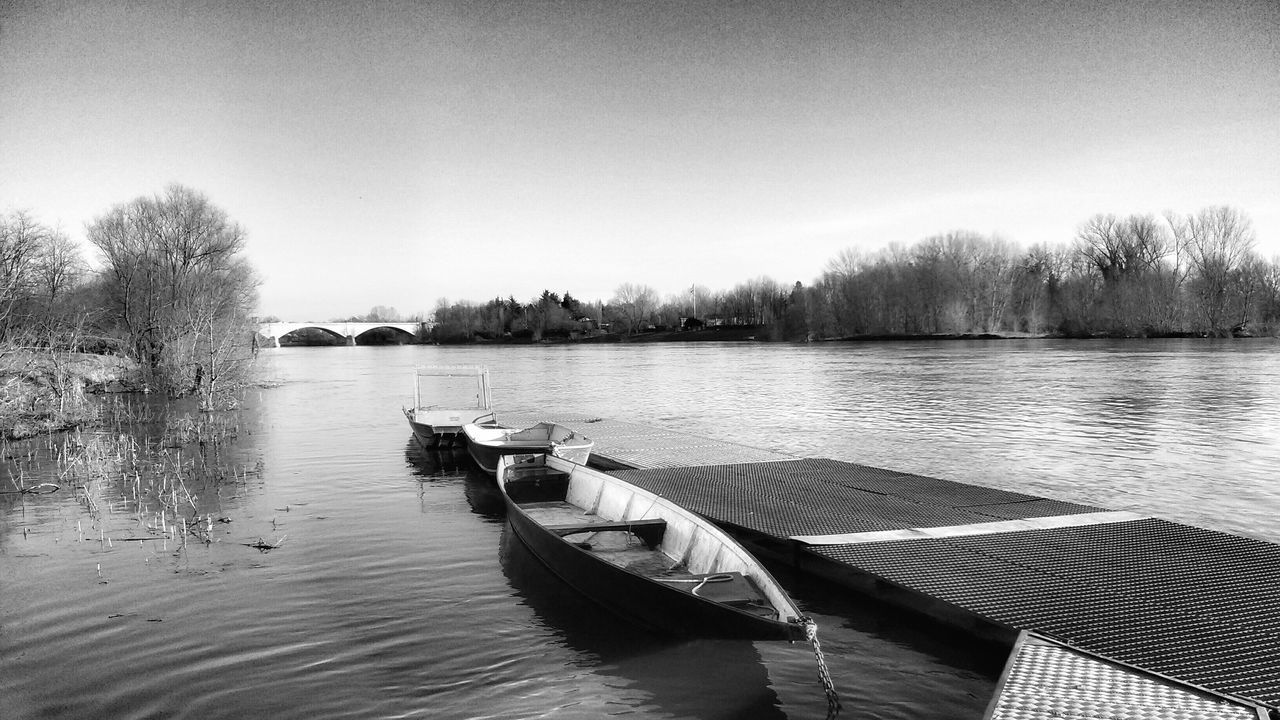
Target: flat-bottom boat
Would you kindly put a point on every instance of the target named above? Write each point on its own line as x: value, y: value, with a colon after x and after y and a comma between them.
x: 444, y: 399
x: 488, y: 443
x: 641, y: 555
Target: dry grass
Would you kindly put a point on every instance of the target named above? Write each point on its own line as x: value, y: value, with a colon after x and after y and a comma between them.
x: 45, y: 391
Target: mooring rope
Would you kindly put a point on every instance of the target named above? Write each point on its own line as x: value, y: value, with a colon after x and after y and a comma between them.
x: 710, y: 578
x: 718, y: 577
x: 828, y: 686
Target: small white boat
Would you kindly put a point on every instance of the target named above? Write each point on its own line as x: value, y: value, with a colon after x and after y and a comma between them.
x: 444, y: 399
x: 488, y: 443
x: 641, y: 555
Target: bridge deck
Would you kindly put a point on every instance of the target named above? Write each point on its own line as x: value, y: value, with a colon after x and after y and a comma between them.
x: 1194, y: 605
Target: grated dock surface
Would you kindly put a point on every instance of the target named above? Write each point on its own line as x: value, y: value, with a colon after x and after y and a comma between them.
x: 1192, y: 604
x: 1046, y: 680
x: 827, y: 497
x: 1188, y: 603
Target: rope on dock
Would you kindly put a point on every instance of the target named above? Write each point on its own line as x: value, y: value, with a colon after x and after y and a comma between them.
x: 828, y: 686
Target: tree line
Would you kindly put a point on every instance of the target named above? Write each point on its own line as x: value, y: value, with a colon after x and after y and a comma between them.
x: 545, y: 317
x: 1133, y: 276
x: 172, y: 290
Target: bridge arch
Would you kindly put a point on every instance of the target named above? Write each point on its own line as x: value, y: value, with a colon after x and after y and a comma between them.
x: 270, y: 333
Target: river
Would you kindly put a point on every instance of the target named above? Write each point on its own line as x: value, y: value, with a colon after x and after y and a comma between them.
x: 395, y: 589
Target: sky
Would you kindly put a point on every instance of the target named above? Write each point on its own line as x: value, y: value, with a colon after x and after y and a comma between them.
x: 394, y: 154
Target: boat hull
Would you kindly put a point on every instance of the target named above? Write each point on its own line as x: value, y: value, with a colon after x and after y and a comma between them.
x: 488, y: 445
x: 658, y: 605
x: 447, y: 433
x: 488, y: 456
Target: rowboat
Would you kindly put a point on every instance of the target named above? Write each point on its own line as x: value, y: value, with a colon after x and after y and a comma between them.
x: 488, y: 443
x: 444, y: 399
x: 641, y: 555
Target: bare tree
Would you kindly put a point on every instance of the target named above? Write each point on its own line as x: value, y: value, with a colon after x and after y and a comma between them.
x: 382, y: 313
x: 22, y: 240
x: 172, y: 261
x: 847, y: 263
x: 1121, y: 248
x: 1129, y: 255
x: 636, y: 302
x: 211, y: 357
x: 1218, y: 243
x: 59, y: 267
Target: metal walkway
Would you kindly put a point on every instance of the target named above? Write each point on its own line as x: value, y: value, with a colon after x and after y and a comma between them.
x: 1197, y: 606
x: 1044, y: 679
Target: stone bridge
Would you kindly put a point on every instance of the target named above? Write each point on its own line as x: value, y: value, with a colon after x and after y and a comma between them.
x: 270, y: 333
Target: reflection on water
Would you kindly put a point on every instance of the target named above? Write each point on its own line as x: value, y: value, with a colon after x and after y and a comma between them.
x: 452, y: 464
x: 659, y: 674
x: 394, y: 593
x: 436, y: 461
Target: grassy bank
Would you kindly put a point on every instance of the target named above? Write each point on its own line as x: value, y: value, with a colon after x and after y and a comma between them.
x: 45, y: 391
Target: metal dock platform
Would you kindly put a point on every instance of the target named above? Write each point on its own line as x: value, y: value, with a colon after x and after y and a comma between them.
x: 1117, y: 591
x: 1044, y: 679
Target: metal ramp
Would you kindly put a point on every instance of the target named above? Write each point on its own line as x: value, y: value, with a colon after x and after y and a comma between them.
x: 1044, y: 680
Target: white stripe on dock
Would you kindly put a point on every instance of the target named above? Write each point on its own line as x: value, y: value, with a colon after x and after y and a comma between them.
x: 1002, y: 526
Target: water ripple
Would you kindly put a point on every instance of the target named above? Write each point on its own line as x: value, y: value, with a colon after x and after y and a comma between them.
x: 399, y: 593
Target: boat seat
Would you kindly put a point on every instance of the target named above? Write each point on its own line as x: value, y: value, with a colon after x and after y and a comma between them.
x: 529, y: 472
x: 650, y: 531
x: 535, y: 483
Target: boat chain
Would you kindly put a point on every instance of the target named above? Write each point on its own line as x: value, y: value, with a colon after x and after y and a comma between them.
x: 829, y: 687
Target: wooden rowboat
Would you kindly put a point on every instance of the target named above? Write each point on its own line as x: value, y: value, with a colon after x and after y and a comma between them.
x: 641, y: 555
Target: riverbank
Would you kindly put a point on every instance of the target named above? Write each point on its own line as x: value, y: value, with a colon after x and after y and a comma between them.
x: 43, y: 392
x: 729, y: 333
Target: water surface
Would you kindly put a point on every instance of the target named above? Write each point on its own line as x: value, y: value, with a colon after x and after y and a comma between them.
x: 396, y: 590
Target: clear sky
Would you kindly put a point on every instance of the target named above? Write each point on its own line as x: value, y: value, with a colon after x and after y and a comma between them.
x: 397, y: 153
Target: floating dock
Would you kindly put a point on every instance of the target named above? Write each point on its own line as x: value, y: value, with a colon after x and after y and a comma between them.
x: 1138, y: 599
x: 1045, y: 679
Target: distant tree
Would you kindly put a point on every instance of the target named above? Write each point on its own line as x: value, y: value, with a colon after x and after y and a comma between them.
x: 455, y: 322
x: 1138, y: 290
x: 382, y: 313
x: 59, y: 267
x: 795, y: 320
x: 39, y: 269
x: 1268, y: 297
x: 670, y: 309
x: 571, y: 305
x: 636, y: 303
x: 1218, y: 244
x: 179, y: 288
x: 846, y: 264
x: 545, y: 315
x: 1121, y: 248
x: 836, y: 310
x: 22, y: 242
